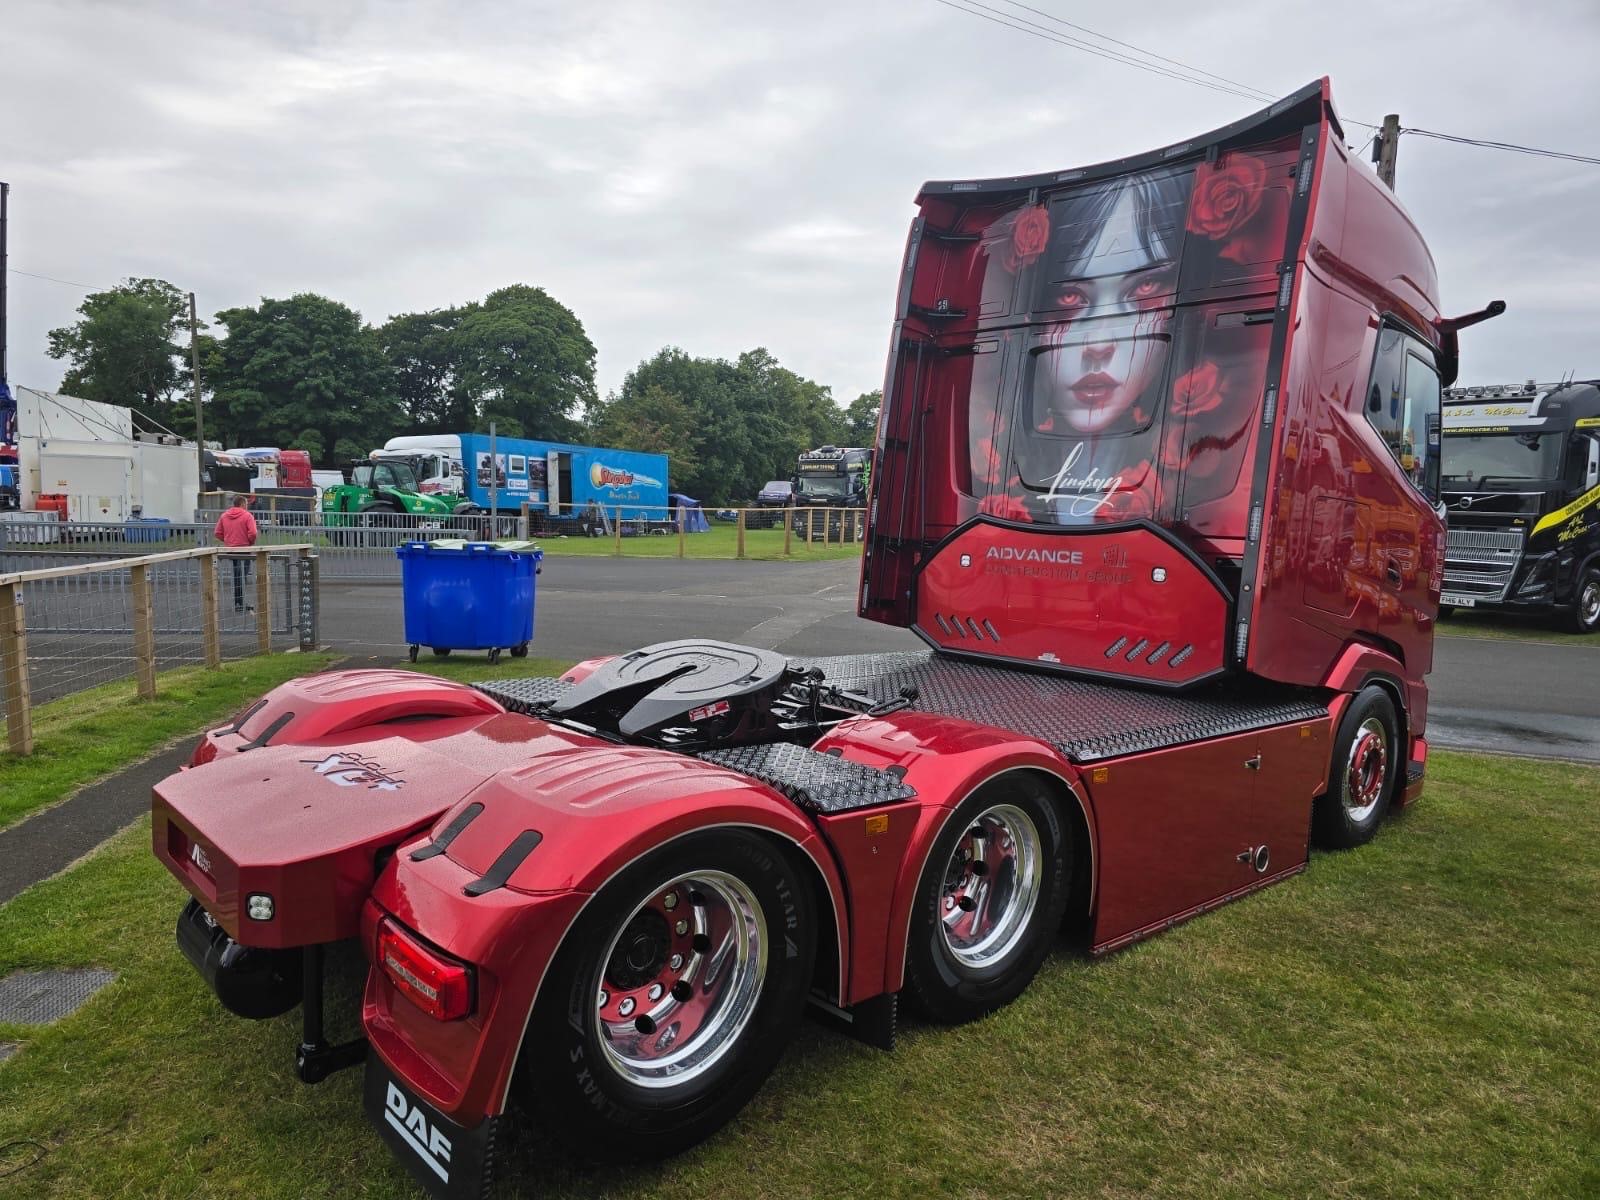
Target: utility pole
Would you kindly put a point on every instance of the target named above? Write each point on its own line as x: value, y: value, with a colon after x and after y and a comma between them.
x: 1384, y: 147
x: 194, y: 381
x: 5, y: 196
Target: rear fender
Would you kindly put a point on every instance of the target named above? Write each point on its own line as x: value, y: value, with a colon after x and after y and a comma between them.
x: 945, y: 759
x: 337, y: 702
x: 598, y: 811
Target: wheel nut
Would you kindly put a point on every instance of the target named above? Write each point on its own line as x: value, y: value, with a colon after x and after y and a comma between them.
x: 670, y: 901
x: 967, y: 905
x: 626, y: 1006
x: 655, y: 991
x: 949, y: 903
x: 682, y: 927
x: 604, y: 997
x: 682, y: 991
x: 675, y: 962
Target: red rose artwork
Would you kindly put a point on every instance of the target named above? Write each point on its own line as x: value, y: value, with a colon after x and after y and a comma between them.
x: 1232, y: 204
x: 1030, y: 233
x: 1197, y: 391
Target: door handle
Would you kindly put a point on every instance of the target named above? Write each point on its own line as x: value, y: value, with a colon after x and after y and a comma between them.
x: 1391, y: 572
x: 1254, y: 763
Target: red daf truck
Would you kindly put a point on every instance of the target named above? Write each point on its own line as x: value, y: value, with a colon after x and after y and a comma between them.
x: 1156, y: 481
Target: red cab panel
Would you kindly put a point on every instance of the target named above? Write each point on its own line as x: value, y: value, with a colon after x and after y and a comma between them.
x: 1128, y: 602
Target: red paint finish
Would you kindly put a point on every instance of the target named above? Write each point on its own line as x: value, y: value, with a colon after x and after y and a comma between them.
x: 1122, y: 602
x: 1181, y: 827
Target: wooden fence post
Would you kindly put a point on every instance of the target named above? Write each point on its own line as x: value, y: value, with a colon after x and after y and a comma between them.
x: 683, y: 533
x: 616, y: 533
x: 14, y: 666
x: 210, y: 625
x: 144, y: 631
x: 739, y: 553
x: 788, y: 530
x: 263, y: 603
x: 522, y: 528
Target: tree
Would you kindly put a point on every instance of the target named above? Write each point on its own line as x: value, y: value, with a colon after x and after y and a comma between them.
x: 861, y: 418
x: 518, y: 358
x: 124, y: 348
x: 524, y: 358
x: 302, y: 372
x: 654, y: 420
x: 745, y: 422
x: 421, y: 350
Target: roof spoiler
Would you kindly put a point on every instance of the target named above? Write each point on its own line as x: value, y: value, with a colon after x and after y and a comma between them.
x: 1449, y: 353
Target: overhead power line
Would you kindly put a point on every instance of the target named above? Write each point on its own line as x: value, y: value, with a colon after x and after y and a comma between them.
x: 1033, y: 29
x: 1511, y: 146
x: 1039, y: 12
x: 87, y: 287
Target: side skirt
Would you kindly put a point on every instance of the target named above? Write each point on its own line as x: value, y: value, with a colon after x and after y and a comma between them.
x: 1162, y: 926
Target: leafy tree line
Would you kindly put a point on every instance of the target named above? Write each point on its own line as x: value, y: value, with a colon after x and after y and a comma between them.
x: 306, y: 372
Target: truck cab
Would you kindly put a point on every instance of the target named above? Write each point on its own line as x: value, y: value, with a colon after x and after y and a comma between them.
x: 1521, y: 483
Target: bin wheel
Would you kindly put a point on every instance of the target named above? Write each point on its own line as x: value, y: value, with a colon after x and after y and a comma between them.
x: 441, y: 652
x: 520, y: 651
x: 494, y: 656
x: 412, y: 653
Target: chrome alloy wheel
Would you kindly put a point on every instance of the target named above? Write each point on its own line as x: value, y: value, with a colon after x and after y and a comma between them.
x: 1589, y: 603
x: 991, y: 886
x: 681, y: 979
x: 1366, y: 771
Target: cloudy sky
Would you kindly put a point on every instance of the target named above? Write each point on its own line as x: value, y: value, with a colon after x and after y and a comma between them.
x: 725, y: 175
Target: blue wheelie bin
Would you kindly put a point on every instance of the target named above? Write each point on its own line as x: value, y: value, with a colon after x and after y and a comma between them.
x: 469, y: 596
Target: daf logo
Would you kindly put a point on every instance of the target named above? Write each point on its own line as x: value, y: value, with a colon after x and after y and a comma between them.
x: 411, y: 1123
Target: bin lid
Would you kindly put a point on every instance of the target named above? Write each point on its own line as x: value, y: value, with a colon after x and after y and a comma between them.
x: 457, y: 545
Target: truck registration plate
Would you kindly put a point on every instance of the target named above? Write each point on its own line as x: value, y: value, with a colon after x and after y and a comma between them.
x: 1457, y: 601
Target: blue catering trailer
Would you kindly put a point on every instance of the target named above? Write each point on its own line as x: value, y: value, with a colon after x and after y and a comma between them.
x: 562, y: 479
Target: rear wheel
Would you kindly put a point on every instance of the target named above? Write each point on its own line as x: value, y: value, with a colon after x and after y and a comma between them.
x: 671, y: 998
x: 1585, y: 616
x: 520, y: 650
x: 1365, y: 773
x: 990, y: 900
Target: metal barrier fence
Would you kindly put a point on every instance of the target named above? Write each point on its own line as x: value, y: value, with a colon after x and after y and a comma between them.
x: 359, y: 547
x: 73, y: 620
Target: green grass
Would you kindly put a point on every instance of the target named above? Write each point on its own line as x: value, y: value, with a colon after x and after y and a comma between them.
x: 473, y: 667
x: 1416, y: 1018
x: 720, y: 541
x: 1512, y: 627
x: 82, y: 737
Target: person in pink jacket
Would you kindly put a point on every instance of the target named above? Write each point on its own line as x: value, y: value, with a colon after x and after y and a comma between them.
x: 236, y: 527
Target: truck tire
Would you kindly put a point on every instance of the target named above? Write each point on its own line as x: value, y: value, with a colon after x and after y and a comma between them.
x: 990, y: 900
x: 1365, y: 771
x: 696, y: 1019
x: 1585, y: 616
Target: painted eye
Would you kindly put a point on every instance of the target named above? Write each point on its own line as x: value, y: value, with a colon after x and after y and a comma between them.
x: 1147, y: 288
x: 1072, y: 298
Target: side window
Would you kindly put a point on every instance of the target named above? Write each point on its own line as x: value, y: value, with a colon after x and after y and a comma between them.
x: 1419, y: 454
x: 455, y: 469
x: 1403, y: 405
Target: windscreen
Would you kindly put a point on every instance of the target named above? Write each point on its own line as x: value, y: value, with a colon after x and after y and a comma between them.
x: 832, y: 486
x: 1501, y: 457
x: 1131, y: 391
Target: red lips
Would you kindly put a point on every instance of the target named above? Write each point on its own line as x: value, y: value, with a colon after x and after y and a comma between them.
x: 1092, y: 389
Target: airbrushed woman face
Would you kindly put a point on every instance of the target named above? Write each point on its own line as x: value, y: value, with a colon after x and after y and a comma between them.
x: 1098, y: 365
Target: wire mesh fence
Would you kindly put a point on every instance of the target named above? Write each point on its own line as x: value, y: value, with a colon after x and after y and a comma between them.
x: 71, y: 620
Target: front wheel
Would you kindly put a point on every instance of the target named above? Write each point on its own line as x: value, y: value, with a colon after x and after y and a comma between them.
x: 672, y: 997
x: 1585, y: 616
x: 1365, y: 773
x: 440, y: 651
x: 520, y: 650
x: 990, y: 900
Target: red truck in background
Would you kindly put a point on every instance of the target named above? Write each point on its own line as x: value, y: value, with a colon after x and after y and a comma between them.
x: 1156, y: 480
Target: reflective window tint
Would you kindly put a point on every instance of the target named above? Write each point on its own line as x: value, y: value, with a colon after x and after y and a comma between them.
x: 1403, y: 405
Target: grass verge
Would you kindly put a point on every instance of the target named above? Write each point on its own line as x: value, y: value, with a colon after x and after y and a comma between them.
x: 720, y: 541
x: 1413, y: 1018
x: 1510, y: 627
x: 82, y: 737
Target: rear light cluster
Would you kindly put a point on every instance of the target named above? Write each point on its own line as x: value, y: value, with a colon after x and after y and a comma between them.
x: 437, y: 984
x: 204, y: 752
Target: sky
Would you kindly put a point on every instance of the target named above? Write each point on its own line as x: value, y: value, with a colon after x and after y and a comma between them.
x: 720, y: 176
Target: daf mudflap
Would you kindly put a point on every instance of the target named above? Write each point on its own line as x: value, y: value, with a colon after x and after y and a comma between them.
x: 447, y: 1160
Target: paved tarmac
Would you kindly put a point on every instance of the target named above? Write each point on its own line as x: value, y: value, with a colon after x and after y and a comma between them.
x: 1506, y: 696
